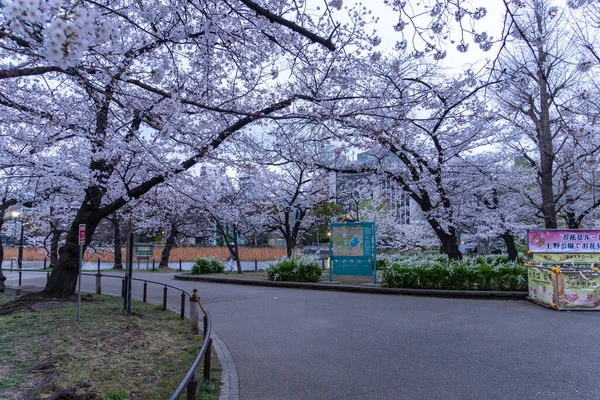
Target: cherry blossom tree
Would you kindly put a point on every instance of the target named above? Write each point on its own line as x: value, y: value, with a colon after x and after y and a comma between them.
x: 235, y: 214
x: 144, y: 92
x: 288, y: 194
x: 546, y: 109
x: 166, y: 211
x: 418, y: 128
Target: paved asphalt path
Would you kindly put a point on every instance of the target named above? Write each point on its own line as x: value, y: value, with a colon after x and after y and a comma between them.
x: 305, y: 344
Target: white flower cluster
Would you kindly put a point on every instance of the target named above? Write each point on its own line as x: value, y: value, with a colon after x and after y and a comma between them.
x: 67, y: 34
x: 28, y: 10
x: 579, y: 3
x: 337, y: 4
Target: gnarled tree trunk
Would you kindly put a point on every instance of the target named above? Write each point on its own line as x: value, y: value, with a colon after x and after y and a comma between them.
x: 449, y: 243
x: 118, y: 243
x: 2, y: 277
x: 54, y: 240
x: 4, y: 205
x: 63, y: 278
x: 511, y: 247
x: 166, y: 252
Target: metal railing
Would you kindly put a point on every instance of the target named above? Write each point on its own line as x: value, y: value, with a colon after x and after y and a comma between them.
x: 189, y: 382
x: 26, y: 270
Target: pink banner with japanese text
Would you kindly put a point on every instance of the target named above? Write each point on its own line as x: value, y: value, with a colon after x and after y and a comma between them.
x: 564, y: 241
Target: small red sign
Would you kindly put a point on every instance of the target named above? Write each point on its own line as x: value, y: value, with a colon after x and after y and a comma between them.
x: 81, y: 234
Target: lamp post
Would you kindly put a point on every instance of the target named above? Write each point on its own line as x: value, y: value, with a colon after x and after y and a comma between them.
x: 15, y: 215
x: 20, y: 255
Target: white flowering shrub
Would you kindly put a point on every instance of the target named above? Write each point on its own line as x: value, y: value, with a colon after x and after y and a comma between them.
x: 306, y: 269
x: 207, y: 266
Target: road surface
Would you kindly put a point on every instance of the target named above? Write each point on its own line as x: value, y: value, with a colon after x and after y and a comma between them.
x: 305, y: 344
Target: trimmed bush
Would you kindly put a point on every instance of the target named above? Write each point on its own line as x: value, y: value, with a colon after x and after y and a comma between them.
x: 207, y: 266
x: 494, y: 272
x: 293, y: 270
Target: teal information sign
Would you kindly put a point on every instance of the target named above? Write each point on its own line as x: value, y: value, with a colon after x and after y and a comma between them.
x: 352, y: 249
x: 143, y: 250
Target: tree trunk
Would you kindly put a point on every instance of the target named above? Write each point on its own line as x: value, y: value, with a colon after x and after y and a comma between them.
x: 63, y: 278
x: 572, y: 222
x: 3, y: 207
x: 236, y: 252
x: 511, y: 247
x: 544, y: 135
x: 164, y: 259
x: 450, y: 245
x: 2, y: 277
x: 570, y: 217
x: 118, y: 248
x: 54, y: 246
x: 449, y: 241
x: 289, y: 244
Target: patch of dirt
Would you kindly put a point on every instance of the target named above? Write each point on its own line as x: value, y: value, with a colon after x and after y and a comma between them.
x: 21, y: 303
x: 41, y: 378
x: 78, y: 392
x: 50, y: 305
x: 36, y: 301
x: 47, y: 364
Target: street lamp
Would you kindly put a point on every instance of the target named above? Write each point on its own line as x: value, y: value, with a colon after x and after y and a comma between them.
x: 15, y: 215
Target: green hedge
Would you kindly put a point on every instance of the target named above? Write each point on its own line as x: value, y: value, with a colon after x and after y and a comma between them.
x: 438, y: 272
x: 293, y: 270
x: 207, y: 266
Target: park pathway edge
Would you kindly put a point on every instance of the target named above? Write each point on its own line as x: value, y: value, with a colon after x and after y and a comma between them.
x: 467, y: 294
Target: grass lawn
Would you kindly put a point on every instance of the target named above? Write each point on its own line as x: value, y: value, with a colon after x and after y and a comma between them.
x: 107, y: 355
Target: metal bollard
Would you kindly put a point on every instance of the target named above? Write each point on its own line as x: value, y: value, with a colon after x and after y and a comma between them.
x: 194, y: 315
x: 124, y: 293
x: 45, y: 261
x: 255, y: 264
x: 182, y: 305
x: 98, y: 283
x: 192, y: 387
x: 207, y: 361
x: 145, y: 290
x: 180, y: 264
x: 11, y: 263
x: 153, y: 264
x: 165, y: 298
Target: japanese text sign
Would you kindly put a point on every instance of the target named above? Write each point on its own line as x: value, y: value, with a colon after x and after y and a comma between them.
x: 564, y: 241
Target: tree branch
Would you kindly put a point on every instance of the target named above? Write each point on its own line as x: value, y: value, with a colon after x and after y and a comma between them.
x: 327, y: 43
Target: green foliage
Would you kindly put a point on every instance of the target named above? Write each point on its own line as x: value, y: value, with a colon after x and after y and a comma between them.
x: 493, y: 272
x: 118, y: 395
x: 207, y: 266
x: 323, y: 214
x: 293, y: 270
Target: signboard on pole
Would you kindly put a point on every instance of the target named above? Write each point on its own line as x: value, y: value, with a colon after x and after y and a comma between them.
x: 81, y: 244
x: 564, y: 241
x: 82, y: 234
x: 352, y: 249
x: 143, y: 250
